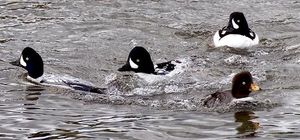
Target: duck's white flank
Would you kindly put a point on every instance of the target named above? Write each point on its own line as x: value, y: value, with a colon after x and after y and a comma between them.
x: 235, y: 41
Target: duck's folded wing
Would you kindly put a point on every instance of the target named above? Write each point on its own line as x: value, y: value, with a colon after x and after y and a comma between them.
x: 164, y: 68
x: 168, y: 66
x: 217, y: 99
x: 83, y: 87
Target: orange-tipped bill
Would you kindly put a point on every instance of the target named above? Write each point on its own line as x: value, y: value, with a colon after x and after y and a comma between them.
x: 254, y: 87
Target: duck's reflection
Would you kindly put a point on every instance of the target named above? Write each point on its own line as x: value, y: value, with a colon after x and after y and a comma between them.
x: 248, y: 126
x: 33, y: 92
x: 32, y: 96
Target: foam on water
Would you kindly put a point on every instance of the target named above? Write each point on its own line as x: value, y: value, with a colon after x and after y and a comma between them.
x: 91, y: 39
x: 236, y: 59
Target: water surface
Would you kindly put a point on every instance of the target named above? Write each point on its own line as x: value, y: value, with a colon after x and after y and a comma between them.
x: 91, y: 39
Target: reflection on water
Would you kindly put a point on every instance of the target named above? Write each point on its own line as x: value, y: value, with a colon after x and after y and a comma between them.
x: 58, y: 134
x: 35, y: 88
x: 33, y: 92
x: 248, y: 126
x: 32, y: 95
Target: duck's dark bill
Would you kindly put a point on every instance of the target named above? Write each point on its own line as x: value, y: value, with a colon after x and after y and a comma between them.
x: 126, y: 67
x: 15, y: 63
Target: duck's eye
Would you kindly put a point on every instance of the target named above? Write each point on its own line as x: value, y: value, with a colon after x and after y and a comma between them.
x: 238, y: 21
x: 137, y: 60
x: 243, y: 83
x: 26, y: 58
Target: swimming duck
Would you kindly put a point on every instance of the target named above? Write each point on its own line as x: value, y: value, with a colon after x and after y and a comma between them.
x: 242, y: 86
x: 139, y: 60
x: 236, y: 34
x: 31, y: 61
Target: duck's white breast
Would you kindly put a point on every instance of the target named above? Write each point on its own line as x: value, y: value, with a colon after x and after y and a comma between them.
x: 235, y: 41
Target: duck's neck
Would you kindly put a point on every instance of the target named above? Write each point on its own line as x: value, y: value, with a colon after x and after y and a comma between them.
x: 35, y: 71
x: 149, y: 68
x: 239, y: 92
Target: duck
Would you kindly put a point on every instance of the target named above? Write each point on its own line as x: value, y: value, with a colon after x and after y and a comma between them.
x: 139, y: 61
x: 236, y: 34
x: 242, y: 86
x: 32, y: 62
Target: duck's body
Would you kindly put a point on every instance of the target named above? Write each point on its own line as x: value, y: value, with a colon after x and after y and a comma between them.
x: 235, y: 40
x: 166, y: 67
x: 62, y: 81
x: 139, y: 60
x: 236, y: 34
x: 242, y: 86
x: 33, y: 63
x: 218, y: 98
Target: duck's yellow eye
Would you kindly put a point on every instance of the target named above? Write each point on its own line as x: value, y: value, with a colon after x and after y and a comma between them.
x: 137, y: 60
x: 244, y: 83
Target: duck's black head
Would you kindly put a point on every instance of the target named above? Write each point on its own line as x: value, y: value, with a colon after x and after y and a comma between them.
x: 31, y: 61
x: 243, y: 85
x: 139, y: 60
x: 238, y: 22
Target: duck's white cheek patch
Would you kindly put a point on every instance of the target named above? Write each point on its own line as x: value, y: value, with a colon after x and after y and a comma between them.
x: 235, y: 26
x: 132, y: 64
x: 22, y: 62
